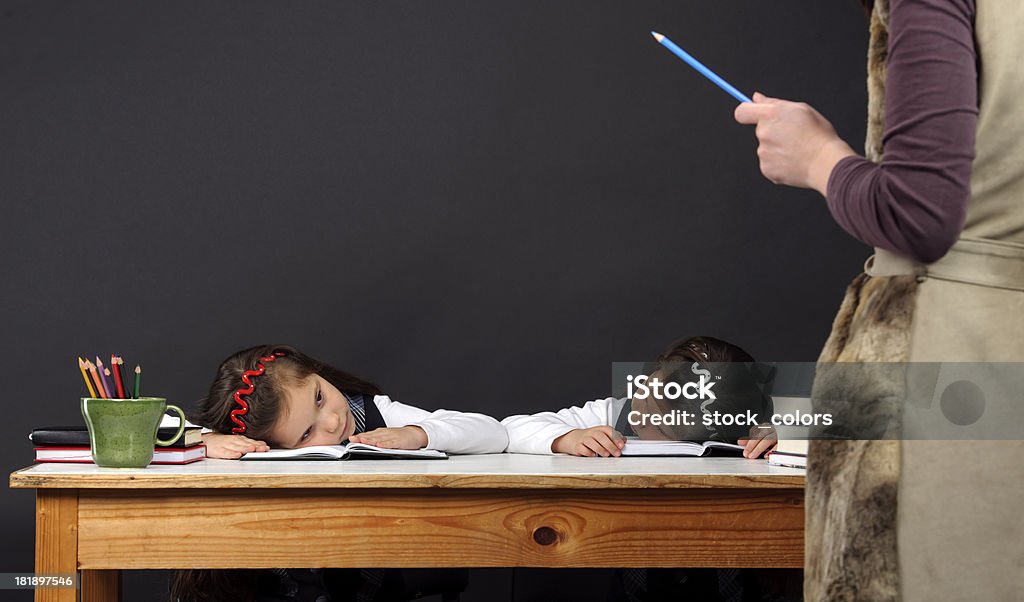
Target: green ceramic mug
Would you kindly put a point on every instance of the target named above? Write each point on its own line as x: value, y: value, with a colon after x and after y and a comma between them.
x: 122, y: 432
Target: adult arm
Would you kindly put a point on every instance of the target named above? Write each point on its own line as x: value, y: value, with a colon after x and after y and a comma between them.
x: 914, y: 202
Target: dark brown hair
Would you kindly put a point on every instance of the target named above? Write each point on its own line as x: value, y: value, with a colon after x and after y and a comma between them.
x: 703, y: 349
x: 265, y: 402
x: 743, y: 384
x: 214, y: 411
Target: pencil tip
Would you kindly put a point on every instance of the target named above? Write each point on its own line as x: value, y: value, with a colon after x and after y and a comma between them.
x: 138, y: 369
x: 657, y: 36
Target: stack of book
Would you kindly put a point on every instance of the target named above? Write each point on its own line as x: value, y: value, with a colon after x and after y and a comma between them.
x: 790, y: 452
x: 71, y: 444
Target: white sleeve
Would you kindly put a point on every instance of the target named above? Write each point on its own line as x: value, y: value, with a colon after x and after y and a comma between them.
x: 534, y: 434
x: 447, y: 431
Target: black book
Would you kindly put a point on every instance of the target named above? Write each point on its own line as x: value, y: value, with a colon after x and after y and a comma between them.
x: 78, y: 436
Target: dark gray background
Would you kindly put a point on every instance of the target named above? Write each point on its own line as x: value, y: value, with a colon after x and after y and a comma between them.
x: 479, y: 205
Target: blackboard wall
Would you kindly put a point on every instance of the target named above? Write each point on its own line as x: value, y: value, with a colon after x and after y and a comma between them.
x: 479, y: 205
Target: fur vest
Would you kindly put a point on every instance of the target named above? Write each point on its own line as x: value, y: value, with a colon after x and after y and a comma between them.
x: 852, y: 486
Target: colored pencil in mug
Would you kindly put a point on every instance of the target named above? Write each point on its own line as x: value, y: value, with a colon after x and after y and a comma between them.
x: 138, y: 381
x: 708, y: 73
x: 108, y: 379
x: 85, y: 377
x: 117, y: 376
x: 108, y: 387
x: 95, y: 379
x: 124, y: 376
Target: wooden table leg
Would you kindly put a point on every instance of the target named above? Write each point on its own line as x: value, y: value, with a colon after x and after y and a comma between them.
x: 56, y: 540
x: 101, y: 586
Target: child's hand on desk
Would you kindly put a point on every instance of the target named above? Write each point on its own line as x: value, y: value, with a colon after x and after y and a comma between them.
x: 763, y: 439
x: 601, y: 441
x: 231, y: 447
x: 405, y: 437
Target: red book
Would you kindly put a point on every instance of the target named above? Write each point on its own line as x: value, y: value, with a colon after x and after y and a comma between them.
x: 83, y: 455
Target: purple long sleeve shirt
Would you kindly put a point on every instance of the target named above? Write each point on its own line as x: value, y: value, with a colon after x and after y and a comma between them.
x: 915, y: 201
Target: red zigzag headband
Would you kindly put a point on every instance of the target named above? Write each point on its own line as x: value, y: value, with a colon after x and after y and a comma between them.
x: 248, y: 389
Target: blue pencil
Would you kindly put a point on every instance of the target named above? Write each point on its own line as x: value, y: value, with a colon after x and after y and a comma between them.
x: 708, y: 73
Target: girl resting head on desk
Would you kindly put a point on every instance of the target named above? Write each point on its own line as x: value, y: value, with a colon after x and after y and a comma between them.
x: 596, y: 428
x: 277, y: 396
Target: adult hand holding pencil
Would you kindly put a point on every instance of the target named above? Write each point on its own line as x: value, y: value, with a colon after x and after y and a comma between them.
x: 798, y: 147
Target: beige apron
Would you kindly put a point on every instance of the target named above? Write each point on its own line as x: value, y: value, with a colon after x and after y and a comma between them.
x: 956, y: 531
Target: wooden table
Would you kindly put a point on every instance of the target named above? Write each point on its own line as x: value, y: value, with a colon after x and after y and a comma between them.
x: 504, y: 510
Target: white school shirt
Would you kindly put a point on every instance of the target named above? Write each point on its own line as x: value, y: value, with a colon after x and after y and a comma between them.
x: 447, y: 430
x: 534, y: 433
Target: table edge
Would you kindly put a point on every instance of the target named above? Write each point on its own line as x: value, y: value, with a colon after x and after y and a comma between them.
x: 22, y: 480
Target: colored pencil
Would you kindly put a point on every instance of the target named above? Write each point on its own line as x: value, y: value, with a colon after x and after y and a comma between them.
x: 108, y: 387
x: 109, y: 381
x: 96, y: 379
x: 708, y: 73
x: 117, y: 376
x: 138, y: 379
x: 88, y: 385
x: 124, y: 376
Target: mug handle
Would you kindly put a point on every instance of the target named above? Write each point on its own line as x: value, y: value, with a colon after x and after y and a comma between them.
x: 181, y: 425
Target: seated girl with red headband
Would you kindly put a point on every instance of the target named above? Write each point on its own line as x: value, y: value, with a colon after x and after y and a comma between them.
x: 276, y: 396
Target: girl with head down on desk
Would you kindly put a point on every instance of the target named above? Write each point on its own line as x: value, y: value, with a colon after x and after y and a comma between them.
x: 276, y: 396
x: 597, y: 427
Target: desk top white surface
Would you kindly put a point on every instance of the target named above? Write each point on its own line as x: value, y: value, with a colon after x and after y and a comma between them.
x: 477, y: 471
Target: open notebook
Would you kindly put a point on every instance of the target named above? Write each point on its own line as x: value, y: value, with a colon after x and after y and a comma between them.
x: 640, y: 447
x: 345, y: 452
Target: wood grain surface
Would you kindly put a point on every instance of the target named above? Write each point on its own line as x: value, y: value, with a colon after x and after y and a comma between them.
x: 101, y: 586
x: 470, y: 528
x: 56, y: 540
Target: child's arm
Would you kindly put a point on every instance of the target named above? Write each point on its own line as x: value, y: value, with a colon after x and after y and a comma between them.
x: 230, y: 447
x: 761, y: 441
x: 536, y: 433
x: 446, y: 430
x: 601, y: 441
